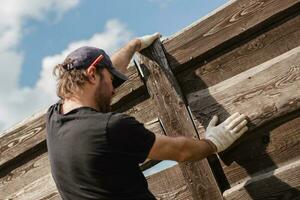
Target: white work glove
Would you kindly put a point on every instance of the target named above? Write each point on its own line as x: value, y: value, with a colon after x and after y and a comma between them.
x: 227, y: 132
x: 147, y: 40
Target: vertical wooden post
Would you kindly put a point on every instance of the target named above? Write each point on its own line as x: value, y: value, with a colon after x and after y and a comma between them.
x: 164, y: 90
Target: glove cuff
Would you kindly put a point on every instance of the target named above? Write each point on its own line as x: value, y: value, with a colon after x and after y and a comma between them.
x: 219, y: 146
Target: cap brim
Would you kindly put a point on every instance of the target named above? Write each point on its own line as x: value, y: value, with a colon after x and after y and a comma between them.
x: 119, y: 78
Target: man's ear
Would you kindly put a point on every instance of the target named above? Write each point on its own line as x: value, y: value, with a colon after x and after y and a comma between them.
x: 91, y: 73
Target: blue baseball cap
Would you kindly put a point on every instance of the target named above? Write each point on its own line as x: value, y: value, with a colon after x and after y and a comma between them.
x: 86, y: 56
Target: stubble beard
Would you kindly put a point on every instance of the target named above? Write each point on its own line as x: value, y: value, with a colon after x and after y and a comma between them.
x: 103, y: 100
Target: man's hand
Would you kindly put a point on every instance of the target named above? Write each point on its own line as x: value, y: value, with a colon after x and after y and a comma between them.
x: 223, y: 135
x: 147, y: 40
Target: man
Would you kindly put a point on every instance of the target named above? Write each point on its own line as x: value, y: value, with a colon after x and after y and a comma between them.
x: 95, y: 153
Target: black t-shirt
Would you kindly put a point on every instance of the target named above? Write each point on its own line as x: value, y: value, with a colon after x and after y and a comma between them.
x: 96, y: 155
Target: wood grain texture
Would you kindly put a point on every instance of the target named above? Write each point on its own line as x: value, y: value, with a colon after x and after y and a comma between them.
x: 237, y: 20
x: 129, y: 89
x: 26, y: 135
x: 42, y: 188
x: 279, y: 184
x: 169, y: 184
x: 268, y: 147
x: 53, y: 196
x: 263, y: 93
x: 142, y: 108
x: 21, y: 177
x: 171, y: 109
x: 257, y: 50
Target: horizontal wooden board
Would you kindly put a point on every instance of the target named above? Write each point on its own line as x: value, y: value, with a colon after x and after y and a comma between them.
x: 52, y: 196
x: 41, y: 188
x: 259, y: 49
x: 169, y: 184
x: 270, y: 146
x: 262, y: 93
x: 142, y: 108
x: 26, y: 135
x: 129, y: 89
x: 237, y: 20
x: 155, y: 126
x: 281, y: 183
x: 24, y: 175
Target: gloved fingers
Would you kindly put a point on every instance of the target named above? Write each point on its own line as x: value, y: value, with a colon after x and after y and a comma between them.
x: 230, y: 118
x: 156, y: 35
x: 241, y: 132
x: 148, y: 40
x: 238, y: 127
x: 151, y: 38
x: 213, y: 121
x: 236, y: 121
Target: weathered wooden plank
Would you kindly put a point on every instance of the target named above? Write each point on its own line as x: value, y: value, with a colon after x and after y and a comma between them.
x: 269, y: 44
x: 24, y: 175
x: 53, y: 196
x: 155, y: 126
x: 281, y: 183
x: 142, y: 108
x: 26, y: 135
x: 236, y: 21
x: 270, y: 146
x: 169, y: 184
x: 41, y: 188
x: 175, y: 117
x: 129, y: 89
x: 263, y: 93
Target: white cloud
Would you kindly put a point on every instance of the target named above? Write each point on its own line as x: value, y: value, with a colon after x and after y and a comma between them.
x: 19, y: 103
x: 13, y: 15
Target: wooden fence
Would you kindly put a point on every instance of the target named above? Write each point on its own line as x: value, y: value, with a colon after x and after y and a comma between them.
x: 243, y: 57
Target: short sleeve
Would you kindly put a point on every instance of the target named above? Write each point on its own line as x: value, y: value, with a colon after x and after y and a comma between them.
x: 129, y: 137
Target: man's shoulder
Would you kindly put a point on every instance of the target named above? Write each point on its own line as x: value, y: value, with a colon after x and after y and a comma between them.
x: 119, y: 116
x: 119, y: 119
x: 51, y: 110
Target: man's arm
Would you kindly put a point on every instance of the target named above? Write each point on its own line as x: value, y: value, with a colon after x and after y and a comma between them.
x: 122, y: 57
x: 217, y: 139
x: 180, y: 149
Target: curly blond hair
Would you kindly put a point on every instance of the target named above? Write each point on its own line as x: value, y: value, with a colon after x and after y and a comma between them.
x: 69, y: 80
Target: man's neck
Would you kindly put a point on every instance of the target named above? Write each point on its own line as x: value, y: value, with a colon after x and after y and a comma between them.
x: 71, y: 104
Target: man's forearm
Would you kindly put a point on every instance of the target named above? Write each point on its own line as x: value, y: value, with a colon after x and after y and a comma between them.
x: 197, y: 149
x: 122, y: 57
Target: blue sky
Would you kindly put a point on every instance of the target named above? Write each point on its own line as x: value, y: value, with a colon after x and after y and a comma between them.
x: 35, y: 35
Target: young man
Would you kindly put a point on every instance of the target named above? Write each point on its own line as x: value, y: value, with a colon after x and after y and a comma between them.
x: 95, y: 153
